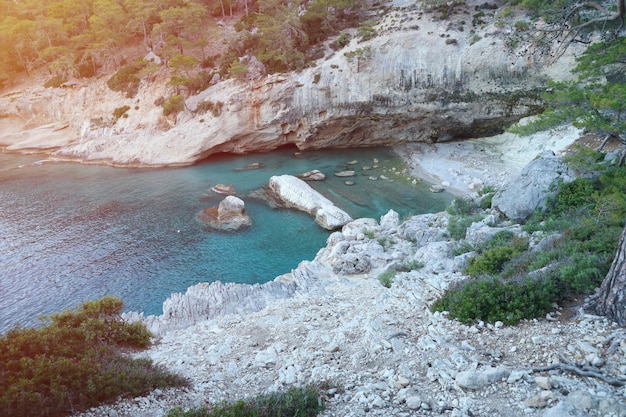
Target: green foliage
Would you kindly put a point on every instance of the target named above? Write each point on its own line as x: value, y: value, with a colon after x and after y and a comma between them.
x: 521, y: 25
x: 120, y: 112
x: 301, y: 402
x: 457, y: 226
x: 499, y: 250
x: 411, y: 266
x: 588, y: 214
x: 238, y: 69
x: 549, y: 10
x: 463, y: 207
x: 464, y: 212
x: 193, y: 84
x: 572, y: 195
x: 366, y: 31
x: 341, y: 41
x: 207, y: 105
x: 492, y: 300
x: 596, y: 101
x: 55, y: 82
x: 126, y: 79
x: 386, y: 278
x: 76, y: 361
x: 173, y: 105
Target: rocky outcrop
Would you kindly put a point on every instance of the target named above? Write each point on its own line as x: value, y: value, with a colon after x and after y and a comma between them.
x: 412, y: 83
x: 520, y: 197
x: 390, y: 355
x: 230, y: 215
x: 295, y: 193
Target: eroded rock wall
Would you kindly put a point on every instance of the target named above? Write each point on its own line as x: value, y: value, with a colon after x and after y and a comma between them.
x: 424, y: 79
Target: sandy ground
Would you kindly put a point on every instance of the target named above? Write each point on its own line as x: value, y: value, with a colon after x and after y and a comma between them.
x: 465, y: 167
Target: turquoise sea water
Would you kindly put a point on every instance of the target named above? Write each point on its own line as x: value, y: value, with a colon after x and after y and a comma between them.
x: 71, y: 233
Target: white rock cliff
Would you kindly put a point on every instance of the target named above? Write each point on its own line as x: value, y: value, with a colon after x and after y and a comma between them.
x: 424, y: 80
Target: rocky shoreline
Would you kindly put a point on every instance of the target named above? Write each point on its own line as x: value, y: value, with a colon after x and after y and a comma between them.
x: 381, y: 350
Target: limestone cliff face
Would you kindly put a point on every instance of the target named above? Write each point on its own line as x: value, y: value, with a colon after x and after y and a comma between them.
x: 422, y: 81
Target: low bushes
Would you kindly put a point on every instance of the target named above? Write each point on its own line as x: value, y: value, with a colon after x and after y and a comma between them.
x: 301, y: 402
x: 76, y: 361
x: 127, y: 79
x: 492, y: 300
x: 510, y: 282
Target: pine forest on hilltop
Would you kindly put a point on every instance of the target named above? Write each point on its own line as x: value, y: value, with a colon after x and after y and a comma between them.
x: 67, y: 39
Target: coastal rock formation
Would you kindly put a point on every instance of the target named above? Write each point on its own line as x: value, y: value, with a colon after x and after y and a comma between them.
x: 520, y: 197
x: 414, y: 84
x: 230, y: 215
x: 295, y: 193
x: 387, y: 353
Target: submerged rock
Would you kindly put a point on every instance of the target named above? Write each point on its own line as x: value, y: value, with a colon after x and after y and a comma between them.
x: 313, y: 175
x: 229, y: 215
x: 224, y: 189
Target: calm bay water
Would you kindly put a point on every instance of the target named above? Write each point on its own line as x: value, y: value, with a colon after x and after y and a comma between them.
x: 71, y: 233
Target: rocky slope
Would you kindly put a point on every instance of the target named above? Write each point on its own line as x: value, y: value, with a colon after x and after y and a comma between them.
x: 421, y: 79
x: 381, y: 350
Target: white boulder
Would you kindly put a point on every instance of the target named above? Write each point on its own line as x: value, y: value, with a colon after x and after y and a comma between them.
x: 295, y: 193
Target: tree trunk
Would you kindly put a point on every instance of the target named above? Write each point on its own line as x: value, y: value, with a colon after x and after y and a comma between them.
x: 610, y: 300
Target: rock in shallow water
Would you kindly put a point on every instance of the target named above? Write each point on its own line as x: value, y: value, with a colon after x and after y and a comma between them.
x: 229, y: 215
x: 295, y: 193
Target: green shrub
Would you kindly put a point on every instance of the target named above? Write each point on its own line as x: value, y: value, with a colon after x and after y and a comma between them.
x: 208, y: 105
x: 584, y: 272
x: 126, y: 79
x: 76, y: 360
x: 411, y: 266
x: 521, y: 25
x: 341, y: 41
x: 120, y: 112
x: 572, y: 195
x: 366, y: 31
x: 386, y: 278
x: 457, y: 225
x: 588, y: 215
x: 301, y: 402
x: 492, y: 300
x: 173, y: 105
x: 462, y: 207
x: 489, y: 262
x: 55, y: 82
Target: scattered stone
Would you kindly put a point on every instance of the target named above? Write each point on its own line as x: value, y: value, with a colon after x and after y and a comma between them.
x: 542, y: 400
x: 565, y: 408
x: 543, y: 382
x: 479, y: 379
x: 254, y: 165
x: 353, y: 162
x: 224, y: 189
x: 402, y: 382
x: 436, y: 188
x: 344, y: 174
x: 348, y: 182
x: 313, y: 175
x: 414, y: 403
